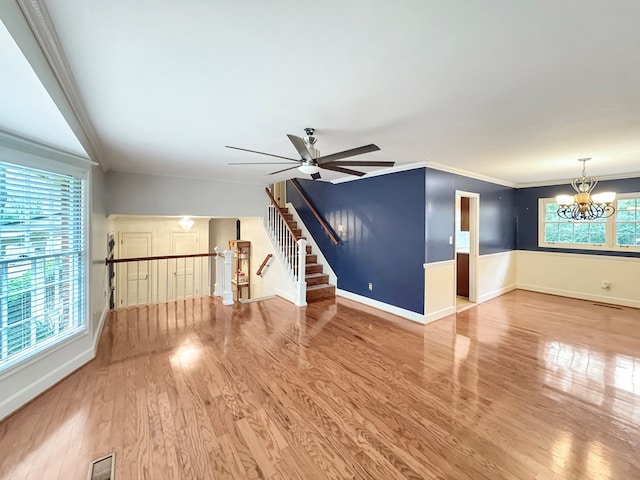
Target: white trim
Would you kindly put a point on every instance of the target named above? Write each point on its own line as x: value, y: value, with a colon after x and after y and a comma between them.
x: 98, y: 332
x: 288, y: 296
x: 20, y: 398
x: 497, y: 254
x: 445, y: 312
x: 567, y: 182
x: 384, y: 171
x: 31, y: 147
x: 581, y: 255
x: 333, y: 278
x: 401, y: 312
x: 465, y: 173
x: 441, y: 263
x: 37, y: 16
x: 474, y: 245
x: 496, y: 293
x: 581, y: 295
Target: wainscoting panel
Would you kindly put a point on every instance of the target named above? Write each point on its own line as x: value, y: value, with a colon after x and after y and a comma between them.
x: 439, y: 291
x: 581, y: 276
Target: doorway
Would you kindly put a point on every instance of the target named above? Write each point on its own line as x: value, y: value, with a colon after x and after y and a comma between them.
x: 133, y: 278
x: 466, y: 248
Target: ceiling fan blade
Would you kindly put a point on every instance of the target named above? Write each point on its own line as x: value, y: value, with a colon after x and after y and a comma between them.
x: 280, y: 171
x: 315, y: 176
x: 260, y: 163
x: 261, y: 153
x: 301, y: 147
x: 348, y: 153
x: 342, y: 170
x: 364, y: 163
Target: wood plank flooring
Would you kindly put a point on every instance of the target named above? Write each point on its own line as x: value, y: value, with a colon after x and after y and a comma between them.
x: 526, y: 386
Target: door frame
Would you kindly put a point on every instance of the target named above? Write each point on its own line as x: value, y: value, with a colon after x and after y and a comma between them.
x: 474, y: 244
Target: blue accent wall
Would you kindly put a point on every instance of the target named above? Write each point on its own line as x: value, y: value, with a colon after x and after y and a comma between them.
x: 497, y: 214
x: 527, y: 214
x: 383, y: 218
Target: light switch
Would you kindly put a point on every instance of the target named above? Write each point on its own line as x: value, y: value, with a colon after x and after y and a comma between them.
x: 450, y: 240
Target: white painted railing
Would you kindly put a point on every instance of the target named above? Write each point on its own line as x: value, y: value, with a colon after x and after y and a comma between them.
x: 291, y: 250
x: 149, y: 280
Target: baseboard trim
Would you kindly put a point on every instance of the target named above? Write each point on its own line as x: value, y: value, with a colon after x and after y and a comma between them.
x: 625, y: 302
x: 444, y: 312
x: 285, y: 295
x: 496, y: 293
x: 98, y: 333
x: 30, y: 392
x: 401, y: 312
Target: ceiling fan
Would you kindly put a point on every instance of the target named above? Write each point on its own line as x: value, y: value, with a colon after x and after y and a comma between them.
x: 311, y: 162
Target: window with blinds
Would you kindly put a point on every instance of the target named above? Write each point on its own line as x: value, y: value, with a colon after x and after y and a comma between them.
x: 42, y: 260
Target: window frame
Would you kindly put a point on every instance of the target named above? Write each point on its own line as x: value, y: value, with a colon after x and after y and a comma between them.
x: 24, y: 154
x: 610, y: 230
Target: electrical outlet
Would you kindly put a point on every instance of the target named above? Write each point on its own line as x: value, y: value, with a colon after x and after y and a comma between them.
x: 370, y: 286
x: 606, y: 285
x: 450, y: 240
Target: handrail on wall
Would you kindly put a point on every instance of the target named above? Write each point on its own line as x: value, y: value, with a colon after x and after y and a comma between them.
x: 264, y: 264
x: 329, y: 231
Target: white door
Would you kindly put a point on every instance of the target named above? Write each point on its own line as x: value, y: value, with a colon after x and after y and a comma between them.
x: 134, y: 277
x: 187, y: 272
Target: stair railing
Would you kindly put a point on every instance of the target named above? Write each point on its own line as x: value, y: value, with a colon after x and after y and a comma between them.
x: 160, y: 279
x: 291, y: 249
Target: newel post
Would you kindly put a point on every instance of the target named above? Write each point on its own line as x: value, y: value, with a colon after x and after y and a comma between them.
x: 301, y: 284
x: 227, y: 293
x: 217, y: 287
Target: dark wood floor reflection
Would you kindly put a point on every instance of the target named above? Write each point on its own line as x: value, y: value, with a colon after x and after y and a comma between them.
x: 526, y: 386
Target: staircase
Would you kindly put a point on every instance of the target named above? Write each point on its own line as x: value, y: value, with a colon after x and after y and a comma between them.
x: 318, y: 287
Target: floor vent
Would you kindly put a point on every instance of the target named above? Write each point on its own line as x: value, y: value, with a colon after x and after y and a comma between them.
x: 607, y: 306
x: 103, y: 468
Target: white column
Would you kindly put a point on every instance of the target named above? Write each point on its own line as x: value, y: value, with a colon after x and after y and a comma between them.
x: 227, y: 293
x: 217, y: 287
x: 301, y: 284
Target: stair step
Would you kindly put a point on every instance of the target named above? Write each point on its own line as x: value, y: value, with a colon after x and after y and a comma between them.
x: 308, y: 249
x: 323, y: 291
x: 316, y: 279
x: 292, y: 224
x: 311, y: 258
x: 313, y: 268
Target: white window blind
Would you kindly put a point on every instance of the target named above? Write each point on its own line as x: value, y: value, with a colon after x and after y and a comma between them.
x: 42, y: 260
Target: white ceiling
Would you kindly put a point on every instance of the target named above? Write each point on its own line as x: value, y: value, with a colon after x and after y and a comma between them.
x: 514, y: 90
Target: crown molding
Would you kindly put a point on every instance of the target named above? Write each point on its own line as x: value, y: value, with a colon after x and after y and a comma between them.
x: 385, y: 171
x: 465, y: 173
x: 39, y: 20
x: 601, y: 178
x: 33, y: 147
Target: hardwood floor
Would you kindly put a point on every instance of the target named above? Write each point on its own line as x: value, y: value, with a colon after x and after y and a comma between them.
x: 525, y: 386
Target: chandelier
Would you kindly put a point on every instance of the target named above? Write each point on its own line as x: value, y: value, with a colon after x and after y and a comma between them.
x: 583, y: 205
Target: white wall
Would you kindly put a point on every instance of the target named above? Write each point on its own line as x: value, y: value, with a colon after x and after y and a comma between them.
x: 138, y: 194
x: 161, y: 229
x: 98, y: 278
x: 29, y: 379
x: 439, y: 290
x: 274, y: 280
x: 581, y: 276
x: 497, y: 274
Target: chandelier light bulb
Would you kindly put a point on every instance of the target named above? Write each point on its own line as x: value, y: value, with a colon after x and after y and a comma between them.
x: 584, y: 205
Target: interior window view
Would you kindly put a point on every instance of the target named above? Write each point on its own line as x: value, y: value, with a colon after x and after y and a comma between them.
x: 363, y: 240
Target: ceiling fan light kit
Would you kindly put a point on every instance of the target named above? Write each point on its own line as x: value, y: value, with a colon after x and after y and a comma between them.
x: 585, y: 205
x: 311, y: 162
